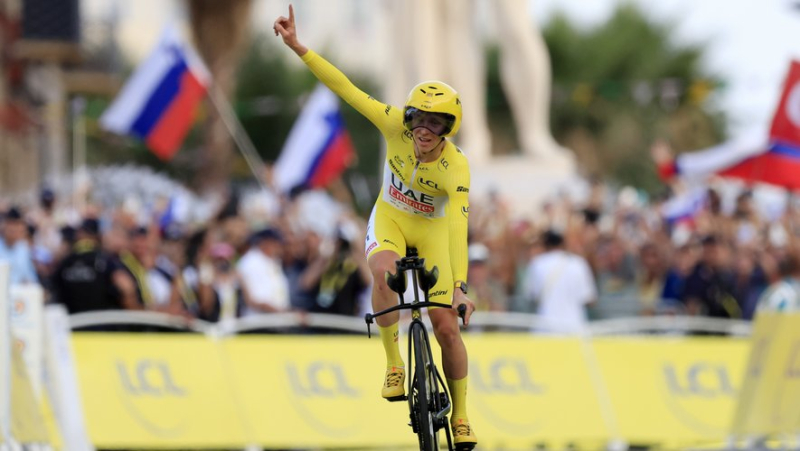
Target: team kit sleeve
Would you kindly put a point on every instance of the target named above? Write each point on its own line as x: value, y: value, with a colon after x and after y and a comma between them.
x: 388, y: 119
x: 458, y: 214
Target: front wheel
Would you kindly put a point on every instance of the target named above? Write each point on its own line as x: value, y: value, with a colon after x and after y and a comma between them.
x: 426, y: 427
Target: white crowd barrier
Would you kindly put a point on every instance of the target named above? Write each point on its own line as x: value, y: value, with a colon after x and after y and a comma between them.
x: 480, y: 321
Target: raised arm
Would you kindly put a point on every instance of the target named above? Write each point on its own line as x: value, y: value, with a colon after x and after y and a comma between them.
x: 385, y: 117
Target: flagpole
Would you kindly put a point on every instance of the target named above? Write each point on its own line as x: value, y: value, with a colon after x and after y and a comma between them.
x: 78, y: 151
x: 235, y: 128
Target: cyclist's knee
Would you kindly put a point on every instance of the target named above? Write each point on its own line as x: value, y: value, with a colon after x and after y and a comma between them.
x: 379, y: 277
x: 379, y: 265
x: 446, y: 332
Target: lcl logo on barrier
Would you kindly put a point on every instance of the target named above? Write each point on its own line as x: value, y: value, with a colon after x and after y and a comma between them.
x: 146, y: 386
x: 692, y: 390
x: 760, y: 350
x: 321, y: 387
x: 504, y: 389
x: 320, y: 379
x: 504, y: 376
x: 701, y: 379
x: 148, y: 377
x: 793, y: 364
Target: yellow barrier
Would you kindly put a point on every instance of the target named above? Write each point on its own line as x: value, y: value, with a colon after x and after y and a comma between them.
x: 323, y: 391
x: 770, y: 399
x: 148, y: 391
x: 676, y: 391
x: 525, y: 390
x: 314, y: 391
x: 27, y: 422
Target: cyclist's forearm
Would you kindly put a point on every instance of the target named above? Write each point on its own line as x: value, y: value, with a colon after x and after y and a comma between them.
x: 458, y: 193
x: 299, y: 49
x: 458, y: 247
x: 338, y: 82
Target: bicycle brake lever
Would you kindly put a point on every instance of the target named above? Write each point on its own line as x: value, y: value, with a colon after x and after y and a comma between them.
x: 462, y: 312
x: 368, y: 319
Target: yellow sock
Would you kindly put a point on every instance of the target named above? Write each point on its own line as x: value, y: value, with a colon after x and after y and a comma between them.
x: 458, y: 391
x: 389, y: 337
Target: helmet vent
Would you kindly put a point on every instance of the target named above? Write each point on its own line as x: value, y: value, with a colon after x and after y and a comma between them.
x: 423, y: 91
x: 433, y: 87
x: 439, y: 94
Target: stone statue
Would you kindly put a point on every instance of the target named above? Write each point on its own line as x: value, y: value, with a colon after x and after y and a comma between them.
x: 445, y: 43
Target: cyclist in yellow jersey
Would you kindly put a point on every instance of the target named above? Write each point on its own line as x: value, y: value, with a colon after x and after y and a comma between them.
x: 424, y: 204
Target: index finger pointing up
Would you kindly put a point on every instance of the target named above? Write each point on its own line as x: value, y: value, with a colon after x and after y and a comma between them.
x: 291, y: 13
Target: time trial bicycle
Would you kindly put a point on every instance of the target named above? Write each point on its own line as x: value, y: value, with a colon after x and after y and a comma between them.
x: 427, y: 396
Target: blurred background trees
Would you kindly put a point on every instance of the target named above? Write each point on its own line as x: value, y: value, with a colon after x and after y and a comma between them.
x: 616, y: 88
x: 622, y: 84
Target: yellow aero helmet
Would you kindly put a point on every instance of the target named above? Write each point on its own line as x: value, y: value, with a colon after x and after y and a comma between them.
x: 434, y: 97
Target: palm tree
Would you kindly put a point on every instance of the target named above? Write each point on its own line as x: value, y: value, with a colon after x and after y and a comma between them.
x: 220, y: 30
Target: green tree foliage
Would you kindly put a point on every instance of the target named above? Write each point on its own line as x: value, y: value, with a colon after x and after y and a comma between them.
x: 271, y: 92
x: 622, y: 84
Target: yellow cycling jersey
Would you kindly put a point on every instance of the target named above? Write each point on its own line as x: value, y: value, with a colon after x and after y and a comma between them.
x: 433, y: 191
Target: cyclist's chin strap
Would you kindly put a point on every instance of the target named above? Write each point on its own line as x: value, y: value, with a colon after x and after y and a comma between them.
x: 441, y: 141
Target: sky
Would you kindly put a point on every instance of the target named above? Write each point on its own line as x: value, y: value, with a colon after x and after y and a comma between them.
x: 749, y: 42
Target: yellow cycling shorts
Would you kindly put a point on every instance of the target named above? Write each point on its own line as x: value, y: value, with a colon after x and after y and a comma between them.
x: 394, y: 231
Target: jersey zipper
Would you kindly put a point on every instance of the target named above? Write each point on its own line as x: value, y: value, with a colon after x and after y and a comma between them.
x: 413, y: 174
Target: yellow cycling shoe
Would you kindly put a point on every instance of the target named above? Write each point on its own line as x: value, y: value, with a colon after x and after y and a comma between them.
x: 394, y: 384
x: 463, y: 435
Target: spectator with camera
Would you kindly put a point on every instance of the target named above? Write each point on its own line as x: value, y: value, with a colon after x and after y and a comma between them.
x: 338, y: 275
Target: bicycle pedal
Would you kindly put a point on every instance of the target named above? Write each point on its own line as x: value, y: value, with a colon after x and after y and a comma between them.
x: 465, y: 447
x: 397, y: 398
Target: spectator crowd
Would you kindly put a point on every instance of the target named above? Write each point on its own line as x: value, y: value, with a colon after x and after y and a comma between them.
x: 608, y: 256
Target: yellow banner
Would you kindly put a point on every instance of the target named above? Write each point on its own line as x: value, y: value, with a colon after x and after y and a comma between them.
x: 315, y: 391
x: 157, y: 390
x: 27, y: 422
x: 167, y: 391
x: 325, y: 391
x: 672, y: 390
x: 525, y: 390
x: 770, y: 398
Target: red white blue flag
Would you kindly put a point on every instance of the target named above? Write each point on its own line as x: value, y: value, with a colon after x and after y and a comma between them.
x: 159, y: 101
x: 318, y: 148
x: 684, y: 207
x: 772, y: 158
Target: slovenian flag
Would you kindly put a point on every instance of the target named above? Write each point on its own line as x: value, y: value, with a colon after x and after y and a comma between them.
x: 159, y: 101
x: 685, y: 206
x: 318, y: 148
x: 772, y: 157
